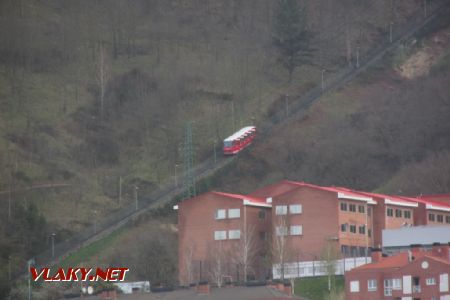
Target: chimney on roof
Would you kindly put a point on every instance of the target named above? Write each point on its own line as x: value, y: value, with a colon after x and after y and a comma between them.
x: 376, y: 255
x: 415, y: 248
x: 441, y: 250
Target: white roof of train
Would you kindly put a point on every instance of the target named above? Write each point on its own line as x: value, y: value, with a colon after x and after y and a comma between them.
x: 239, y: 133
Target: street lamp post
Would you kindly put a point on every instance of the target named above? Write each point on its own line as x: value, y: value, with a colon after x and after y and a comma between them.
x: 176, y: 177
x: 29, y: 263
x: 323, y: 81
x: 53, y: 244
x: 136, y: 197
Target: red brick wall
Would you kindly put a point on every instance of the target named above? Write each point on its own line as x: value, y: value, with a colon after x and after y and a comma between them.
x: 358, y: 219
x: 196, y: 226
x: 319, y: 220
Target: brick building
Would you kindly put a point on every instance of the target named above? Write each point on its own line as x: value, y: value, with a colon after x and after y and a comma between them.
x: 299, y: 221
x: 416, y: 274
x: 215, y: 229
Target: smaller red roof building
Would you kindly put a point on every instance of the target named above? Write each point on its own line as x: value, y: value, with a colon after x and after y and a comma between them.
x: 416, y: 274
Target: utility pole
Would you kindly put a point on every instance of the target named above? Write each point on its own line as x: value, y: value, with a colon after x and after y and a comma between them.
x: 176, y: 178
x: 29, y: 263
x: 425, y: 8
x: 136, y: 197
x: 232, y: 116
x: 286, y: 99
x: 120, y: 189
x: 390, y: 32
x: 53, y: 244
x: 323, y: 81
x: 9, y: 203
x: 357, y: 57
x: 215, y: 153
x: 189, y: 180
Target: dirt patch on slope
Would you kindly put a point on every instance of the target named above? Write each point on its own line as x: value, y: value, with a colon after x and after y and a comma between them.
x: 420, y: 63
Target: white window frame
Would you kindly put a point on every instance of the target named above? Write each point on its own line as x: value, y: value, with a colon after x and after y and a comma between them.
x: 296, y: 230
x: 431, y: 281
x: 220, y: 235
x: 281, y: 230
x: 220, y: 214
x: 397, y: 284
x: 354, y: 286
x: 388, y: 283
x: 371, y: 285
x: 234, y: 213
x: 295, y: 209
x: 281, y: 210
x: 234, y: 234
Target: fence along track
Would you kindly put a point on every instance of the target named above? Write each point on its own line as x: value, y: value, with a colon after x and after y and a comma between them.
x: 297, y: 108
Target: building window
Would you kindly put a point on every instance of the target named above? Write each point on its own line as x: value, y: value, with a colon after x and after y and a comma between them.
x: 390, y: 212
x: 343, y: 206
x: 440, y: 218
x: 372, y: 285
x: 431, y: 217
x: 281, y: 209
x: 234, y: 213
x: 281, y: 230
x: 262, y: 214
x: 398, y: 213
x: 352, y: 207
x: 234, y: 234
x: 345, y: 250
x: 362, y: 229
x: 388, y: 287
x: 295, y: 208
x: 396, y: 284
x: 221, y: 214
x: 344, y: 227
x: 353, y: 228
x: 447, y: 219
x: 296, y: 230
x: 354, y: 286
x: 361, y: 209
x: 431, y: 281
x: 407, y: 214
x: 369, y: 232
x: 220, y: 235
x: 263, y: 235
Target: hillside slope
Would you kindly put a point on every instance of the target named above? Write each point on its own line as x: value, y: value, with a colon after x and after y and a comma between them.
x: 386, y: 131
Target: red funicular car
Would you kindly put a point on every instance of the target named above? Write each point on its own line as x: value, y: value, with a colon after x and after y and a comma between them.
x: 239, y: 140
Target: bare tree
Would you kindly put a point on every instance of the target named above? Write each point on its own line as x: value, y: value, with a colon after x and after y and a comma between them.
x: 279, y: 246
x: 329, y: 256
x: 217, y: 263
x: 188, y: 262
x: 246, y: 249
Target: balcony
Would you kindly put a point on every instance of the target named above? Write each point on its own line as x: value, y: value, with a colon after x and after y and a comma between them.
x: 416, y: 289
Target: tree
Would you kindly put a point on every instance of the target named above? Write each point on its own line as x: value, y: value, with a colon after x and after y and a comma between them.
x: 188, y: 262
x: 246, y: 249
x: 329, y: 256
x: 217, y: 262
x: 279, y: 247
x: 291, y: 37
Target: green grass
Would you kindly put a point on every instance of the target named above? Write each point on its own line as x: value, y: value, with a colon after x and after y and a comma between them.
x: 93, y: 250
x: 316, y: 288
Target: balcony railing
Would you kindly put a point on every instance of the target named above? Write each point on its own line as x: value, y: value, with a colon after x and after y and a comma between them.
x: 416, y: 289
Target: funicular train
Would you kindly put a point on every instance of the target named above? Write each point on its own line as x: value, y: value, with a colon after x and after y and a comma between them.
x: 239, y: 140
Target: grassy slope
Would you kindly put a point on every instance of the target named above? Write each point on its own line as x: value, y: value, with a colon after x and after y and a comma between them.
x: 316, y: 288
